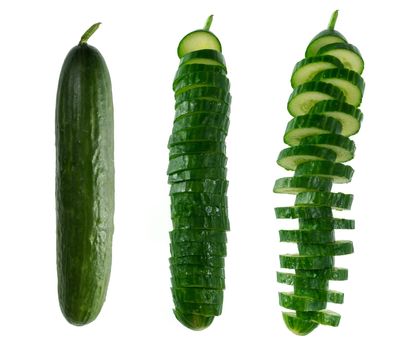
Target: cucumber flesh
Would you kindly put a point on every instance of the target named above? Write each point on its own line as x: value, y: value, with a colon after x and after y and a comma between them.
x: 296, y: 184
x: 297, y: 325
x: 192, y: 321
x: 198, y: 40
x: 346, y: 53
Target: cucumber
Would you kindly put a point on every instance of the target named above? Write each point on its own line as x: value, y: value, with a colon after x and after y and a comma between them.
x: 296, y: 184
x: 349, y: 116
x: 348, y: 81
x: 306, y: 95
x: 306, y: 69
x: 327, y: 91
x: 291, y: 157
x: 310, y: 125
x: 343, y: 147
x: 346, y: 53
x: 197, y: 175
x: 84, y: 182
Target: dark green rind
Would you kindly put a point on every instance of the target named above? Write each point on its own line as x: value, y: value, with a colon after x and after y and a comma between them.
x: 201, y: 106
x: 295, y: 261
x: 193, y: 322
x: 196, y: 161
x: 340, y: 173
x: 327, y: 224
x: 198, y: 174
x: 212, y: 261
x: 303, y: 212
x: 297, y: 325
x: 196, y: 147
x: 349, y: 116
x: 84, y: 183
x: 329, y: 249
x: 208, y: 93
x: 338, y: 200
x: 307, y: 236
x: 198, y: 295
x: 199, y: 235
x: 188, y: 69
x: 203, y: 54
x: 206, y: 79
x: 310, y: 125
x: 207, y: 186
x: 209, y: 120
x: 289, y: 300
x: 296, y: 184
x: 325, y: 91
x: 201, y: 134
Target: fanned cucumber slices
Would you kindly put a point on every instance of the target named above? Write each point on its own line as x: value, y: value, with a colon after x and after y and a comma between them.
x: 197, y: 175
x: 327, y: 91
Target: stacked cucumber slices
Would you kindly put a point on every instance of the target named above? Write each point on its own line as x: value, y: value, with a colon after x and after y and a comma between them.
x: 328, y: 90
x: 197, y: 175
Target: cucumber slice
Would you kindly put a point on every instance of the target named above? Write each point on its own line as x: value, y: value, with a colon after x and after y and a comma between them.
x: 206, y: 56
x: 348, y: 81
x: 207, y: 186
x: 199, y: 134
x: 348, y: 54
x: 196, y: 147
x: 200, y: 210
x: 199, y: 235
x: 196, y: 161
x: 334, y: 274
x: 295, y: 261
x: 198, y: 281
x: 303, y: 212
x: 198, y: 248
x: 199, y: 309
x: 188, y: 69
x: 340, y: 173
x: 300, y: 282
x: 208, y: 93
x: 328, y: 249
x: 328, y: 36
x: 198, y: 295
x: 198, y: 40
x: 341, y: 145
x: 199, y: 79
x: 331, y: 296
x: 297, y: 325
x: 213, y: 261
x: 310, y: 125
x: 209, y: 120
x: 290, y: 158
x: 201, y: 106
x: 335, y: 200
x: 204, y: 222
x: 198, y: 174
x: 296, y: 302
x: 306, y: 69
x: 296, y: 184
x: 326, y: 224
x: 324, y: 317
x: 308, y: 94
x: 187, y: 199
x: 188, y: 270
x: 307, y: 236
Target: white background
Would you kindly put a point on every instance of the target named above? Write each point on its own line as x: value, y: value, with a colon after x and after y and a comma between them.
x: 262, y: 40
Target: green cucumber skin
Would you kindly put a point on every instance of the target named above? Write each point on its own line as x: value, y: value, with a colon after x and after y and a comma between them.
x: 84, y: 183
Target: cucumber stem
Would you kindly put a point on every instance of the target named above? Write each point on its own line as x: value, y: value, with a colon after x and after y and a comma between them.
x: 89, y: 32
x: 333, y: 19
x: 208, y: 22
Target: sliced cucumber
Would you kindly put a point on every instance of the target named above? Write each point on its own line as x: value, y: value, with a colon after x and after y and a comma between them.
x: 326, y: 224
x: 296, y: 302
x: 324, y: 317
x: 334, y: 274
x: 199, y: 309
x: 331, y: 296
x: 196, y: 161
x: 198, y: 174
x: 309, y: 125
x: 348, y: 54
x: 189, y: 69
x: 295, y: 261
x: 307, y: 236
x: 349, y: 116
x: 201, y: 106
x: 348, y: 81
x: 200, y: 134
x: 328, y: 36
x: 328, y: 249
x: 335, y: 200
x: 198, y: 248
x: 199, y: 40
x: 341, y: 145
x: 209, y: 93
x: 201, y: 79
x: 213, y: 261
x: 189, y: 270
x: 290, y: 158
x: 306, y: 69
x: 300, y: 282
x: 207, y: 186
x: 205, y: 222
x: 296, y: 184
x: 198, y: 295
x: 209, y: 120
x: 308, y: 94
x: 198, y: 281
x: 206, y: 56
x: 199, y: 235
x: 197, y: 147
x: 297, y: 325
x: 340, y: 173
x: 302, y: 212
